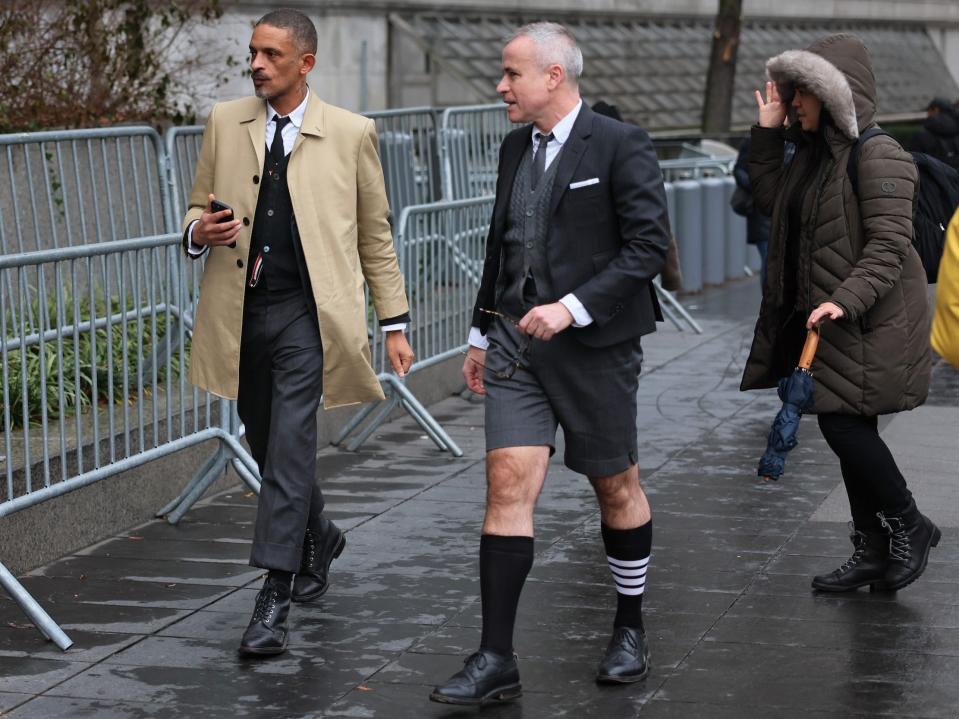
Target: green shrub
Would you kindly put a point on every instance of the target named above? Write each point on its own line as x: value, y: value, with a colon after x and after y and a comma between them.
x: 84, y: 358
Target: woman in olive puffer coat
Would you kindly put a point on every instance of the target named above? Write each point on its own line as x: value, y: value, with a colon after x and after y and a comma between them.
x: 847, y: 264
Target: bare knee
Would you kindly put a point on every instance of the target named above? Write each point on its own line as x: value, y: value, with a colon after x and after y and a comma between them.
x: 619, y: 492
x: 511, y: 479
x: 514, y: 478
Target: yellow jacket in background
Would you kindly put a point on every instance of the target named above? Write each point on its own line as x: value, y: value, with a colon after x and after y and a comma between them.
x: 945, y: 322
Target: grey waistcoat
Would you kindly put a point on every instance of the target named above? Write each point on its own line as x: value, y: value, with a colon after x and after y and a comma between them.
x: 524, y: 244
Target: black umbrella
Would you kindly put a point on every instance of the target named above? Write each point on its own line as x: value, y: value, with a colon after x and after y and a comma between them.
x: 796, y: 393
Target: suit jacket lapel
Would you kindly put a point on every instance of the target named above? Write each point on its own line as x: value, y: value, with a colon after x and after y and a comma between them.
x: 571, y: 154
x: 512, y: 156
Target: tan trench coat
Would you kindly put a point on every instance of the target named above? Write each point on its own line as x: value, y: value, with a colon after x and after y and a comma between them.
x: 339, y: 201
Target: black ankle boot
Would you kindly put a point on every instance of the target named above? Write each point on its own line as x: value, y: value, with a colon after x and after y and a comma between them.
x: 320, y: 548
x: 867, y: 565
x: 911, y: 536
x: 267, y: 633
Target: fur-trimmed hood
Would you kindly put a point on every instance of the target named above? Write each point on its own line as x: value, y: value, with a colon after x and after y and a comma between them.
x: 838, y: 71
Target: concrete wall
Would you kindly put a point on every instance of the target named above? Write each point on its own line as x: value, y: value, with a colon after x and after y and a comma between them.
x: 396, y: 69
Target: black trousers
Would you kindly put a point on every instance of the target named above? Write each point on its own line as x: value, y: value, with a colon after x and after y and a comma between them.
x: 873, y: 481
x: 281, y: 381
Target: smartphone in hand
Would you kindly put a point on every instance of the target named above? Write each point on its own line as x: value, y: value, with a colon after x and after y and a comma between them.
x: 217, y: 206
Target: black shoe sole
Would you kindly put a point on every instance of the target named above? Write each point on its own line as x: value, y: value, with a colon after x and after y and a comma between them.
x: 874, y: 586
x: 300, y: 598
x: 502, y: 694
x: 260, y: 652
x: 934, y: 542
x: 617, y: 679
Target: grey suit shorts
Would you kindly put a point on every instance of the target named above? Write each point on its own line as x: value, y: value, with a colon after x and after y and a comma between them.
x: 534, y: 386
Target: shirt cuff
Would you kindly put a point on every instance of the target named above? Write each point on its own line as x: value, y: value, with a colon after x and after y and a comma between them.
x: 399, y: 327
x: 477, y: 339
x: 193, y: 249
x: 581, y: 317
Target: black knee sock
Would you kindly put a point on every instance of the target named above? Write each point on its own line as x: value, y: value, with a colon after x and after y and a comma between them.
x: 627, y: 551
x: 504, y: 564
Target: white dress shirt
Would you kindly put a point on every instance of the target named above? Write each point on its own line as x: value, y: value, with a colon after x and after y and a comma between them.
x: 561, y: 132
x: 290, y: 131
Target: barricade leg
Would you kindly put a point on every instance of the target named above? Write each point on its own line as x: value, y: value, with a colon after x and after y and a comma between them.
x: 667, y: 298
x: 229, y: 452
x: 355, y: 422
x: 437, y: 440
x: 397, y: 394
x: 41, y: 620
x: 671, y: 316
x: 385, y: 408
x: 423, y: 417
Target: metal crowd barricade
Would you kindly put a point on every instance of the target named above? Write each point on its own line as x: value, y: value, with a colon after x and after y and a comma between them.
x: 471, y: 137
x: 695, y: 168
x: 182, y: 151
x: 440, y: 247
x: 78, y: 187
x: 408, y: 148
x: 182, y: 146
x: 410, y: 156
x: 91, y: 384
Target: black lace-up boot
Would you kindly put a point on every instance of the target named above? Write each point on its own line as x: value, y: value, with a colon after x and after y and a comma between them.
x: 866, y: 566
x: 267, y: 633
x: 320, y: 548
x: 911, y: 536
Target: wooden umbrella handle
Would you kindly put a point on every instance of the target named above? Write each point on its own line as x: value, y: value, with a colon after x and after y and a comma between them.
x: 809, y: 349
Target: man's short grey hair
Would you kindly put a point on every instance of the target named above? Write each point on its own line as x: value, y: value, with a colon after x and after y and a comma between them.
x: 297, y: 24
x: 555, y: 45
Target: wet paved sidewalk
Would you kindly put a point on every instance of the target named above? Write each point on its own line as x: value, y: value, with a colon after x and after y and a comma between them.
x: 156, y: 613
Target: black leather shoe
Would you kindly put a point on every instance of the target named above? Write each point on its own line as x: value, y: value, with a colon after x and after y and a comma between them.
x: 267, y: 634
x: 319, y: 550
x: 911, y: 536
x: 867, y: 565
x: 627, y: 657
x: 487, y: 677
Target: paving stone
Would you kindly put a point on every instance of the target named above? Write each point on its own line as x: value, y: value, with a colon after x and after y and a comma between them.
x: 27, y: 675
x: 45, y: 707
x: 95, y: 618
x: 734, y: 629
x: 8, y: 700
x: 23, y: 640
x: 101, y: 569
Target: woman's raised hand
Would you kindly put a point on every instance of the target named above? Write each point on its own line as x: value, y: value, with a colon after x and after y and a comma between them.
x: 772, y: 111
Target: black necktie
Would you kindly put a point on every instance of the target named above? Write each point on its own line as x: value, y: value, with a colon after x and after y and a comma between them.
x: 539, y: 162
x: 276, y: 149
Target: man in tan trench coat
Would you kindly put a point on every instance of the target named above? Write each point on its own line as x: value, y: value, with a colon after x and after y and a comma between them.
x: 282, y: 316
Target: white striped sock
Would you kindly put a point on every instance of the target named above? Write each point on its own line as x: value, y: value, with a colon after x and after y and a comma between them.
x: 629, y: 575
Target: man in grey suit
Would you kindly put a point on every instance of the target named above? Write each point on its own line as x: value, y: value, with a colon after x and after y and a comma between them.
x: 579, y: 230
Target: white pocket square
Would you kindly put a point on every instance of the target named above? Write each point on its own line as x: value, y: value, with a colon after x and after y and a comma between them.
x: 584, y: 183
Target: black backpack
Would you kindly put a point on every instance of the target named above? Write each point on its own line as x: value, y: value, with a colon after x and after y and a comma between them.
x: 938, y: 199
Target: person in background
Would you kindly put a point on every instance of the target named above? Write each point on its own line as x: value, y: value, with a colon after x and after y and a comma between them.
x: 757, y: 223
x: 846, y: 265
x: 939, y: 134
x: 945, y: 322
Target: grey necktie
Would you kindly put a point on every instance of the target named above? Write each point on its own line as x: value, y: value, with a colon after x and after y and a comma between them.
x: 539, y: 162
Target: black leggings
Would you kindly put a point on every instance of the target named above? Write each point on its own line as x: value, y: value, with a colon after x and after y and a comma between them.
x: 873, y: 481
